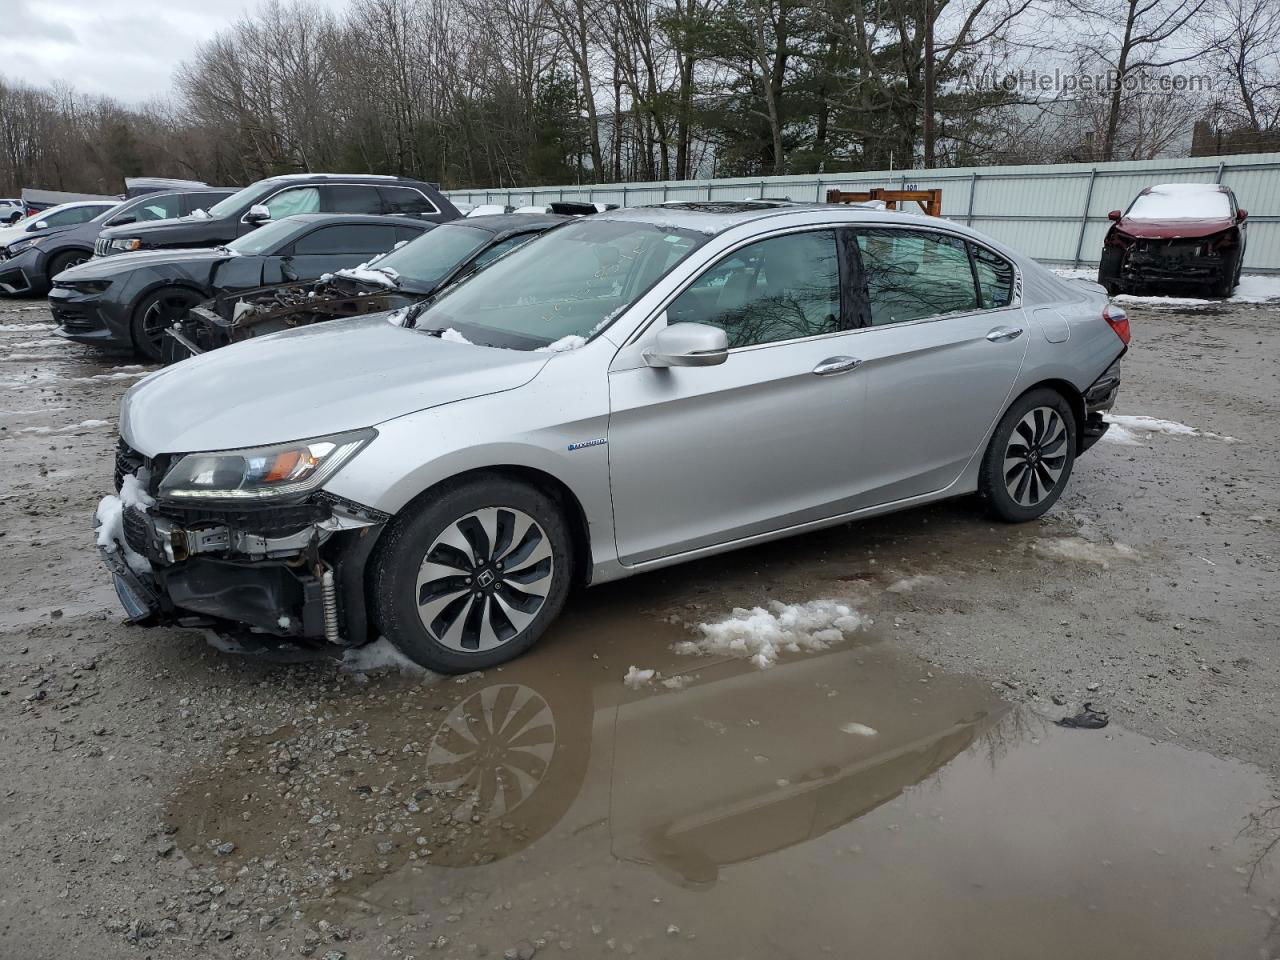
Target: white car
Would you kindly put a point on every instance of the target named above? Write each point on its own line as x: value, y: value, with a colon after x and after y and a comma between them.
x: 12, y: 210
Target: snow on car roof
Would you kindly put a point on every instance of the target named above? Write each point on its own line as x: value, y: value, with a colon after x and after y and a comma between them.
x: 1181, y: 201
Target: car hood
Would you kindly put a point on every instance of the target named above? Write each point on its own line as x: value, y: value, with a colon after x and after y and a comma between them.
x: 100, y: 268
x: 322, y: 379
x: 1166, y: 229
x: 142, y: 229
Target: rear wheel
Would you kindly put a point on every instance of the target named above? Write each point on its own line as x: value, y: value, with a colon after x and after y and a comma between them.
x: 155, y: 314
x: 1029, y: 459
x: 474, y: 577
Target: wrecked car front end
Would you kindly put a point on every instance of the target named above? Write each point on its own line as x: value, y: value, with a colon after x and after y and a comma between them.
x: 197, y: 540
x: 235, y: 316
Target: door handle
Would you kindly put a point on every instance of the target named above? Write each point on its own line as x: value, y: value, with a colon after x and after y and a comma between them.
x: 1004, y: 334
x: 834, y: 365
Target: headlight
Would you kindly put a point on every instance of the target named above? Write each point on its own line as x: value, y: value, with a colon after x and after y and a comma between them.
x: 283, y: 470
x: 84, y: 286
x: 18, y: 246
x: 125, y: 244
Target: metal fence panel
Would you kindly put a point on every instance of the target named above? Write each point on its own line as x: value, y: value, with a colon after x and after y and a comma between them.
x: 1054, y: 212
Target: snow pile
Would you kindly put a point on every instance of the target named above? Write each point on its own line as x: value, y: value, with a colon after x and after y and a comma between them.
x: 383, y: 278
x: 109, y: 518
x: 1181, y: 201
x: 637, y: 678
x: 762, y: 635
x: 69, y: 428
x: 381, y: 655
x: 571, y: 342
x: 199, y: 213
x: 453, y: 336
x: 1133, y: 431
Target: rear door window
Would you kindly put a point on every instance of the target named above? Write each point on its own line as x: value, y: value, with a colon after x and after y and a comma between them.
x: 347, y: 238
x: 405, y: 200
x: 915, y: 274
x: 782, y: 288
x: 350, y: 198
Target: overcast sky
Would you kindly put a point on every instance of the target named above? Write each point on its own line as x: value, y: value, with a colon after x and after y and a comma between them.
x: 124, y: 48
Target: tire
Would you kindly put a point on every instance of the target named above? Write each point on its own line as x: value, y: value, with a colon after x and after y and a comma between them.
x: 1109, y: 271
x: 155, y: 314
x: 428, y: 607
x: 64, y: 261
x: 1036, y: 441
x: 1227, y: 283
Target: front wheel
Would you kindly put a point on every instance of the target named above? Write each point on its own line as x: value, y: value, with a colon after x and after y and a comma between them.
x: 155, y: 314
x: 475, y: 576
x: 1029, y: 459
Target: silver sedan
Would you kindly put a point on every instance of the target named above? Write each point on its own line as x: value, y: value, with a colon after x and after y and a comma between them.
x: 626, y: 392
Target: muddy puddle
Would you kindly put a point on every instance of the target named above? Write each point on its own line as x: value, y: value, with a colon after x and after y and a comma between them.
x: 853, y: 802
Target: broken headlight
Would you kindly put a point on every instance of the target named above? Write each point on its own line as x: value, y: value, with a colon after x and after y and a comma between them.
x: 281, y: 470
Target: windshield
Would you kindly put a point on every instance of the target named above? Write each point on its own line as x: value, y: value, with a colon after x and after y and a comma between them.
x: 1181, y: 201
x: 225, y: 208
x: 570, y: 282
x: 426, y: 261
x: 266, y: 237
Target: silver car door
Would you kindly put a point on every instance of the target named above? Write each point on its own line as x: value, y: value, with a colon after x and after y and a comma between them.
x: 945, y: 341
x: 706, y: 455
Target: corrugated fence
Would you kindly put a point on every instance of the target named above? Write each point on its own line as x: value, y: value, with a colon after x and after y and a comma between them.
x: 1056, y: 213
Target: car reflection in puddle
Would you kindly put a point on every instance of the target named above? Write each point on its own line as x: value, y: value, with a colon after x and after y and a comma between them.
x: 853, y: 796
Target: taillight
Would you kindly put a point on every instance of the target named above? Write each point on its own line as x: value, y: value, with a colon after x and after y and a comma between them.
x: 1118, y: 320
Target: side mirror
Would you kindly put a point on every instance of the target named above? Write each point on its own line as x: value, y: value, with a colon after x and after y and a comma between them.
x: 1241, y: 215
x: 258, y: 213
x: 688, y: 345
x: 121, y: 221
x: 1115, y: 215
x: 39, y: 225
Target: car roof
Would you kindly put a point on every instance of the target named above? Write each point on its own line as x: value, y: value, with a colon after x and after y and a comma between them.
x: 717, y: 216
x: 374, y: 178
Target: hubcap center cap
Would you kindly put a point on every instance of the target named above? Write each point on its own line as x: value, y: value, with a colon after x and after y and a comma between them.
x: 485, y: 578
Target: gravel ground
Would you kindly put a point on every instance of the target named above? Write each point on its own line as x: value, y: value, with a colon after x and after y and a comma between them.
x: 163, y: 799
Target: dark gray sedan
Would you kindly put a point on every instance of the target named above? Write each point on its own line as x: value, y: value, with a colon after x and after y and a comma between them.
x: 130, y: 299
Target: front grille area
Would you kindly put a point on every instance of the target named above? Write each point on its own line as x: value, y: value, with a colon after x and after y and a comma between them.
x: 128, y: 461
x: 100, y: 248
x: 136, y: 530
x: 79, y: 317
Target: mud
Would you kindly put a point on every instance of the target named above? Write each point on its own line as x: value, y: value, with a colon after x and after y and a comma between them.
x: 902, y: 793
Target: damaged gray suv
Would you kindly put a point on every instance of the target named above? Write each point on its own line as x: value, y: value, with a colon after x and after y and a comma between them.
x: 625, y: 392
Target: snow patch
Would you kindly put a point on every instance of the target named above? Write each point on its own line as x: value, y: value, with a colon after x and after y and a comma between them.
x: 381, y: 655
x: 69, y: 428
x: 1181, y: 201
x: 907, y: 584
x: 762, y: 635
x: 1131, y: 430
x: 453, y: 336
x: 26, y: 327
x: 637, y: 678
x: 1084, y: 551
x: 383, y: 278
x: 572, y: 342
x: 859, y: 730
x: 1252, y: 288
x: 109, y: 518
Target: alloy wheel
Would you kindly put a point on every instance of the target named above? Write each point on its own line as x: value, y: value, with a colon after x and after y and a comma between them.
x: 1035, y: 456
x: 484, y: 579
x: 162, y: 313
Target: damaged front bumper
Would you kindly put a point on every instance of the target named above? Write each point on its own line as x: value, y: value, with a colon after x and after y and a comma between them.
x: 288, y: 572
